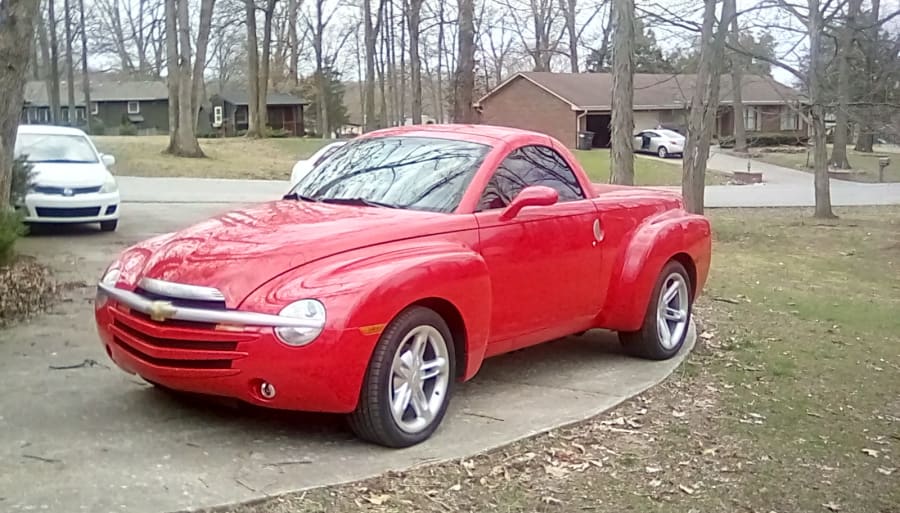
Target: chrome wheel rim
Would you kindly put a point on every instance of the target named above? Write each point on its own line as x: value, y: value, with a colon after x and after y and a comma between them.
x: 419, y: 379
x: 672, y: 311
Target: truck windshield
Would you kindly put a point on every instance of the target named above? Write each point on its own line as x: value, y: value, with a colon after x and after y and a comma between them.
x: 418, y: 173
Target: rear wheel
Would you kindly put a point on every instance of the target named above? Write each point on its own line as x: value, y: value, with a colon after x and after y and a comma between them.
x: 409, y: 381
x: 662, y: 152
x: 109, y: 226
x: 667, y: 319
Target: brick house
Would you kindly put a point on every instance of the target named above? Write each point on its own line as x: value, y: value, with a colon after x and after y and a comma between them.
x: 563, y: 104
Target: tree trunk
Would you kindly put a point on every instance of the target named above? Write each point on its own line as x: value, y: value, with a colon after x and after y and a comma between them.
x: 865, y: 141
x: 263, y: 111
x: 85, y: 77
x: 737, y: 103
x: 842, y: 116
x: 197, y: 82
x: 463, y: 111
x: 53, y: 89
x: 413, y: 14
x: 16, y: 38
x: 621, y: 155
x: 820, y: 155
x: 44, y: 43
x: 172, y: 77
x: 70, y: 66
x: 321, y: 89
x: 704, y: 104
x: 439, y: 93
x: 293, y: 42
x: 568, y: 8
x: 186, y: 140
x: 253, y: 128
x: 370, y: 36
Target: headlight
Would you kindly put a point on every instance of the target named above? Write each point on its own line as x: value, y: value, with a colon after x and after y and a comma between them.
x: 109, y: 186
x: 308, y: 310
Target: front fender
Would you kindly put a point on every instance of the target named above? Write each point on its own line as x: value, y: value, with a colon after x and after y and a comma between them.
x: 671, y: 234
x: 363, y: 290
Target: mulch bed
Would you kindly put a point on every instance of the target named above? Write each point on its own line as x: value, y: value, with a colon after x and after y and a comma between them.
x: 26, y: 288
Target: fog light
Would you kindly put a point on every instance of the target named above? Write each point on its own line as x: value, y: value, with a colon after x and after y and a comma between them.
x: 267, y: 390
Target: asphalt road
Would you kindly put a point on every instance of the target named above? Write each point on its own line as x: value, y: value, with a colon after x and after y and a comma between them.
x: 77, y: 434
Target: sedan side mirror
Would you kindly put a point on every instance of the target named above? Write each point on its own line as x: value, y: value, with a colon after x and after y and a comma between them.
x: 108, y: 160
x: 534, y: 196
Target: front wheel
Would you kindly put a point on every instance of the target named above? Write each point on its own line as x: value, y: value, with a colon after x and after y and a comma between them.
x: 662, y: 152
x: 409, y: 381
x: 668, y: 317
x: 109, y: 226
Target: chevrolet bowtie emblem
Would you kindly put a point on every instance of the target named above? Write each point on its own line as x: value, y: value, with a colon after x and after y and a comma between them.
x: 161, y: 310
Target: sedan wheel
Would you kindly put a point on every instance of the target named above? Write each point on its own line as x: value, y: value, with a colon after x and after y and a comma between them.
x: 662, y: 152
x: 667, y: 319
x: 409, y: 381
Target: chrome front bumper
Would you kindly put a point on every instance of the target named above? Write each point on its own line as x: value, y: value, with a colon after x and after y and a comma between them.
x: 163, y: 310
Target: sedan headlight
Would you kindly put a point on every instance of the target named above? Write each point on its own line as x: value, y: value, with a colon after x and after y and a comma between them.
x: 308, y: 310
x: 109, y: 185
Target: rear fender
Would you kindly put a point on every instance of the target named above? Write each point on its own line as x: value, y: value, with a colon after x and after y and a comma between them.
x: 674, y: 234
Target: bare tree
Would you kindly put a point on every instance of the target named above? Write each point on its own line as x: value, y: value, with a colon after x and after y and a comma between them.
x: 866, y: 138
x: 536, y: 22
x: 413, y: 18
x: 737, y: 102
x: 371, y: 36
x: 704, y: 104
x: 263, y: 91
x: 70, y: 67
x: 293, y: 41
x: 842, y: 116
x: 463, y: 110
x: 253, y: 128
x: 184, y: 84
x: 815, y: 25
x: 622, y: 119
x: 85, y: 77
x: 16, y: 38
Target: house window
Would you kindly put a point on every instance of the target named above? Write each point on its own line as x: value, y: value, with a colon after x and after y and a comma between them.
x: 79, y: 113
x: 95, y: 108
x: 790, y: 119
x: 64, y: 114
x: 134, y: 107
x: 43, y: 115
x: 217, y: 115
x: 241, y: 115
x: 751, y: 119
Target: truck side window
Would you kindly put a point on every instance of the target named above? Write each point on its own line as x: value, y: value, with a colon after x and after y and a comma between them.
x: 526, y: 166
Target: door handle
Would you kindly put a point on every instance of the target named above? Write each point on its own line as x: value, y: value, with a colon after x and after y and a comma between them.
x: 598, y: 232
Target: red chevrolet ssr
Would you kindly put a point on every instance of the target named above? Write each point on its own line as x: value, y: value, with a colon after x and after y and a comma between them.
x: 394, y: 268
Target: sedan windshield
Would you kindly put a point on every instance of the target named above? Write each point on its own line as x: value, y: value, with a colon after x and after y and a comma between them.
x: 417, y: 173
x: 55, y: 148
x: 671, y: 134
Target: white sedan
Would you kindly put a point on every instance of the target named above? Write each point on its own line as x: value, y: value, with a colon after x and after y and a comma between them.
x: 302, y: 167
x: 70, y: 181
x: 661, y: 142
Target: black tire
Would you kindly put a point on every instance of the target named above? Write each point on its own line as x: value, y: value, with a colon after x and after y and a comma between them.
x: 662, y: 152
x: 373, y: 420
x: 109, y: 226
x: 647, y: 341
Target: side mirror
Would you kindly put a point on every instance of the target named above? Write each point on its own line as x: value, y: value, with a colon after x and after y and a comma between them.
x: 534, y: 196
x: 108, y: 160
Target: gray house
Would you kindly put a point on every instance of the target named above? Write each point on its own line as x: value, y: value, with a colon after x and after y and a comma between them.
x: 140, y: 105
x: 230, y: 111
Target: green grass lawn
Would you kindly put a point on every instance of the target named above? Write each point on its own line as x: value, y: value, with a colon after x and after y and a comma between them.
x: 790, y: 403
x: 865, y: 164
x: 273, y: 159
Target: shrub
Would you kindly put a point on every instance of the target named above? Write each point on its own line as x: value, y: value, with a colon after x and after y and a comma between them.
x: 98, y: 127
x: 11, y: 228
x: 759, y: 140
x: 128, y: 129
x: 22, y: 177
x: 277, y: 132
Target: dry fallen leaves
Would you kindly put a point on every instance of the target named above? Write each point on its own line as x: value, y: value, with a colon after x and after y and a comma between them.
x: 377, y: 500
x: 870, y: 452
x: 830, y: 505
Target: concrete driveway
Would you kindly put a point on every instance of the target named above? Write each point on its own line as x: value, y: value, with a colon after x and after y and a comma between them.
x: 77, y: 434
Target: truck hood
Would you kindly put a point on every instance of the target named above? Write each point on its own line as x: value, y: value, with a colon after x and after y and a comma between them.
x: 241, y: 250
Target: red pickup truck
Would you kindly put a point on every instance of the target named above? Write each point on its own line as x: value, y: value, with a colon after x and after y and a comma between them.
x: 394, y: 268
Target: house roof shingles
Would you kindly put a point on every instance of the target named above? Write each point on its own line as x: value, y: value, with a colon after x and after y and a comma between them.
x: 593, y: 91
x: 110, y: 91
x: 239, y: 97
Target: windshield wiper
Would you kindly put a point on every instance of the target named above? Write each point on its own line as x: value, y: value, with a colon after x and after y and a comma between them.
x: 295, y: 196
x: 358, y: 201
